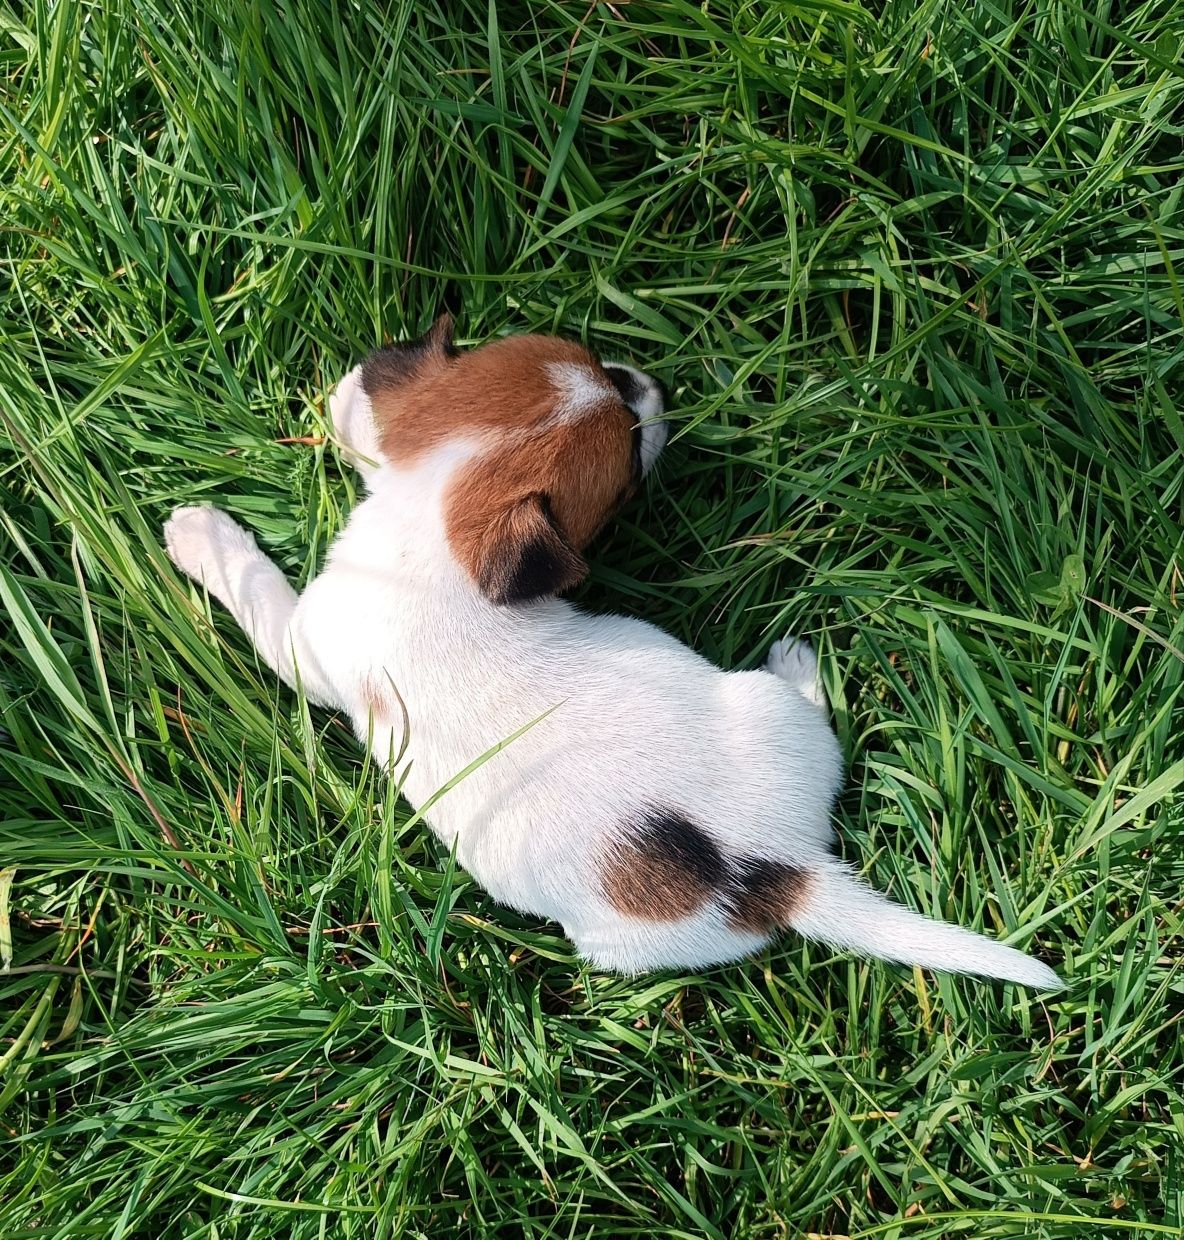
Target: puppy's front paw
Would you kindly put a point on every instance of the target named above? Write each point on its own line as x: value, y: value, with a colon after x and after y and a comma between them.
x: 796, y: 663
x: 201, y: 540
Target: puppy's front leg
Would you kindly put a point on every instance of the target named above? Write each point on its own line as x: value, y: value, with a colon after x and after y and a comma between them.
x: 353, y: 425
x: 216, y: 551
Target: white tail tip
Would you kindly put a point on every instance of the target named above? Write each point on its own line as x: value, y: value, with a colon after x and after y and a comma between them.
x: 840, y: 910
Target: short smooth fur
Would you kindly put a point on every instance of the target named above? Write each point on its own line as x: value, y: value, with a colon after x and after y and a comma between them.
x: 664, y: 812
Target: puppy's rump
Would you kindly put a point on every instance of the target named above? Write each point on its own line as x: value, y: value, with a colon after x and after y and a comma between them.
x: 681, y: 897
x: 834, y: 906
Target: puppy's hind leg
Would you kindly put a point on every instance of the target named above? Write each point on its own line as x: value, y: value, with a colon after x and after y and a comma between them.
x: 217, y: 552
x: 795, y: 662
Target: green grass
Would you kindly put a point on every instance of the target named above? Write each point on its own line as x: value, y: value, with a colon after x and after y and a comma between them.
x: 914, y: 274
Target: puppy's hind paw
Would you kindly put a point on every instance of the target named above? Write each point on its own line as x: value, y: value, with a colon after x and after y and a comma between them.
x: 795, y: 662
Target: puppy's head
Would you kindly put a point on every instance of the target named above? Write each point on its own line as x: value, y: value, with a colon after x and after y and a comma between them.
x: 553, y: 442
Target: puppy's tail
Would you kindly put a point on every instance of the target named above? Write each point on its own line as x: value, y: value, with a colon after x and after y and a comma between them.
x: 832, y: 905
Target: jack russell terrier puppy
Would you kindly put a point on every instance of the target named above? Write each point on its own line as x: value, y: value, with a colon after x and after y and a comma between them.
x: 666, y: 813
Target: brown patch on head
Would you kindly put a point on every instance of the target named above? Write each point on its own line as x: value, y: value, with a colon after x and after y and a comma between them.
x: 665, y: 868
x: 556, y: 450
x: 762, y: 895
x: 539, y: 499
x: 426, y: 393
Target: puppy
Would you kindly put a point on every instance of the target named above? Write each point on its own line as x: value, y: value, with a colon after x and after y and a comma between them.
x: 664, y: 812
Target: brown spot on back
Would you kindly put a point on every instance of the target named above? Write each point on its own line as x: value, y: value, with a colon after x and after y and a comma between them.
x: 664, y: 869
x: 762, y: 895
x: 384, y: 708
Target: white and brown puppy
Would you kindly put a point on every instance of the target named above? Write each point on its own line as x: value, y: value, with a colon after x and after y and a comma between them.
x: 664, y: 812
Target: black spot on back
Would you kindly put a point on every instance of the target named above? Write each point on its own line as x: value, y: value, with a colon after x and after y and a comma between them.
x: 761, y: 895
x: 674, y: 837
x: 664, y: 868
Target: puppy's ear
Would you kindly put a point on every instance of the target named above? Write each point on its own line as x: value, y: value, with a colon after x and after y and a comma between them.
x: 524, y: 555
x: 396, y: 364
x: 440, y: 336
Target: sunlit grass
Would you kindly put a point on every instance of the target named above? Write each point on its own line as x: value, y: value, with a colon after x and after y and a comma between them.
x: 912, y: 275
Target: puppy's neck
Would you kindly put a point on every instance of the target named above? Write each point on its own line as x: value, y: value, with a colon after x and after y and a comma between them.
x: 398, y: 530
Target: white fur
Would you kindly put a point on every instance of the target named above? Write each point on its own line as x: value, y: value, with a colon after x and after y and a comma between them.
x: 618, y: 715
x: 797, y: 665
x: 353, y: 424
x: 580, y: 390
x: 649, y: 411
x: 653, y: 440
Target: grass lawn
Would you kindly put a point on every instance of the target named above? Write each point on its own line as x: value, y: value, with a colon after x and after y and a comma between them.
x: 914, y: 276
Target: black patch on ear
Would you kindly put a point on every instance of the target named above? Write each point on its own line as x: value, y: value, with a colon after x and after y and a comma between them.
x: 629, y: 387
x: 532, y: 575
x: 441, y: 333
x: 394, y: 364
x: 391, y: 366
x: 529, y: 558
